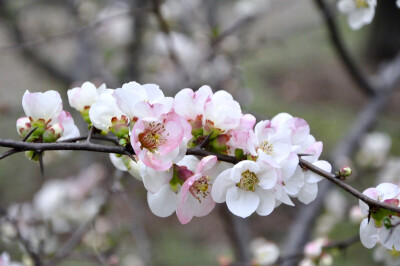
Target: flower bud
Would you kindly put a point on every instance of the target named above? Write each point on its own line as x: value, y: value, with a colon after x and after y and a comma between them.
x: 120, y: 127
x: 23, y: 126
x: 344, y: 172
x: 53, y: 133
x: 32, y: 155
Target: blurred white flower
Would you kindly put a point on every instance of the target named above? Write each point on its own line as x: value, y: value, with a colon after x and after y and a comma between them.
x: 374, y: 149
x: 264, y: 252
x: 359, y: 12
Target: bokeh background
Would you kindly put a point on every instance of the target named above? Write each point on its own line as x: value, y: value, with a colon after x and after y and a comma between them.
x: 272, y: 55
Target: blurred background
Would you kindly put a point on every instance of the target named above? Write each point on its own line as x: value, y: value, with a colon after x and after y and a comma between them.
x: 272, y: 55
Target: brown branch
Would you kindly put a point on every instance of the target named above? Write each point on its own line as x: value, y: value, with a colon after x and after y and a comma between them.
x: 41, y: 147
x: 340, y: 183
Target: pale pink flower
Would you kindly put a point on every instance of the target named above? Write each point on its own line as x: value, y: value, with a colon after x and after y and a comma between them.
x: 141, y: 101
x: 239, y: 136
x: 195, y: 194
x: 157, y: 143
x: 222, y: 112
x: 81, y: 98
x: 23, y: 126
x: 44, y: 106
x: 190, y: 104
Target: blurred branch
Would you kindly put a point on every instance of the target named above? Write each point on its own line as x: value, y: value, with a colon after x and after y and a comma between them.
x: 237, y: 232
x: 348, y: 62
x: 25, y: 243
x: 73, y: 33
x: 341, y: 245
x: 137, y: 228
x: 165, y: 29
x: 387, y: 78
x: 11, y: 21
x: 65, y: 250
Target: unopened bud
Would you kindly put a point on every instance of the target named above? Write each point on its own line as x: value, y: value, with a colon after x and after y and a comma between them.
x: 31, y: 155
x: 23, y: 126
x: 344, y: 172
x: 120, y: 127
x: 53, y: 133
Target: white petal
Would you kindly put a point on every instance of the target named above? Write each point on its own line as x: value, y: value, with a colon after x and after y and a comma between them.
x: 242, y: 203
x: 221, y: 185
x: 163, y: 203
x: 154, y: 180
x: 308, y: 193
x: 368, y: 233
x: 267, y: 202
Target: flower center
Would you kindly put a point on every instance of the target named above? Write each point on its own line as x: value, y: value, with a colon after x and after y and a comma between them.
x: 199, y: 189
x: 361, y: 3
x: 266, y: 147
x: 153, y: 136
x: 248, y: 181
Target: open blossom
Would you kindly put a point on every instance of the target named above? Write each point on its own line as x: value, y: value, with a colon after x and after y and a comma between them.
x: 267, y: 140
x: 382, y: 226
x: 359, y: 12
x: 246, y: 188
x: 157, y: 143
x: 195, y: 194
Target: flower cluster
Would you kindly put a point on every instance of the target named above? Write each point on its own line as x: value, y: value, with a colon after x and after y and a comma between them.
x: 160, y: 130
x: 381, y: 225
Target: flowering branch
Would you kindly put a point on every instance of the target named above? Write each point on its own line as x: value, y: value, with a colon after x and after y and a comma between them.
x: 20, y: 146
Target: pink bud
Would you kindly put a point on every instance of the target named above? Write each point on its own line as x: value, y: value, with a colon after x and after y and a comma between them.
x: 53, y: 133
x: 23, y: 126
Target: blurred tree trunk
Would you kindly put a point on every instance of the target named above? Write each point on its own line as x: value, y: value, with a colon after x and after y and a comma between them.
x: 384, y: 38
x: 136, y: 46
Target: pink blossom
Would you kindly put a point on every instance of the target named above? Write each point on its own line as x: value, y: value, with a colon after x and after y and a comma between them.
x: 239, y: 136
x: 157, y: 143
x: 195, y: 195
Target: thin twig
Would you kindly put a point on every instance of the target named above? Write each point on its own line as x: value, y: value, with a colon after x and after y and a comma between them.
x: 71, y: 243
x: 90, y: 134
x: 340, y: 183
